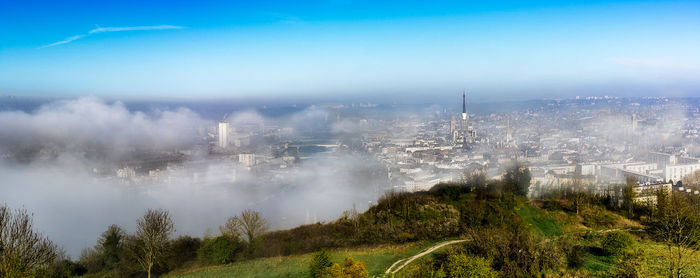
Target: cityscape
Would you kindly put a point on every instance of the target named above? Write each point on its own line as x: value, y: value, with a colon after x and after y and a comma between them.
x: 349, y: 139
x: 598, y: 140
x: 602, y: 140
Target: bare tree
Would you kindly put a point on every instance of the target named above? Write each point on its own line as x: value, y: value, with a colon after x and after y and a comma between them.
x: 249, y: 224
x: 677, y: 225
x: 22, y: 250
x: 231, y: 229
x: 153, y: 230
x: 578, y: 194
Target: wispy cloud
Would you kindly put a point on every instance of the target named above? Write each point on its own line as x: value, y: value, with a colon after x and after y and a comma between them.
x: 67, y: 40
x: 135, y: 28
x: 99, y: 29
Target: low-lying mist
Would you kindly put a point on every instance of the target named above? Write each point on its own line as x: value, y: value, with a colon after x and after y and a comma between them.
x: 60, y: 160
x: 50, y: 156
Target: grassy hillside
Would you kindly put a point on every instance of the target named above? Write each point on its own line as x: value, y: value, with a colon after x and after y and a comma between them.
x: 378, y: 259
x: 546, y: 224
x: 656, y: 262
x: 504, y: 234
x: 539, y: 221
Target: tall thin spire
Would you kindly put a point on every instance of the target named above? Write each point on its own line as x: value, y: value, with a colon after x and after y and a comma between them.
x: 464, y: 106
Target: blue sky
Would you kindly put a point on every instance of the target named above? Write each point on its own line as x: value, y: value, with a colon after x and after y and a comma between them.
x: 421, y: 49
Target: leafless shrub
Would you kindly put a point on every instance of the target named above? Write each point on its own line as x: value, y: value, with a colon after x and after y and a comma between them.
x: 22, y: 250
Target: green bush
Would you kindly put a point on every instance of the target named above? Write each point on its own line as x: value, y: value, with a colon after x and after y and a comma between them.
x: 461, y: 265
x: 573, y: 252
x: 92, y: 260
x: 598, y: 217
x: 183, y: 250
x: 60, y: 269
x: 633, y: 265
x: 617, y: 243
x: 517, y: 179
x: 514, y: 250
x: 353, y: 269
x: 219, y: 250
x: 320, y: 264
x: 575, y: 255
x: 425, y: 270
x: 449, y: 192
x: 110, y: 245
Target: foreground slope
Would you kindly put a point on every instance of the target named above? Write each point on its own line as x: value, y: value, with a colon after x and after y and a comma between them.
x: 512, y: 236
x: 377, y: 258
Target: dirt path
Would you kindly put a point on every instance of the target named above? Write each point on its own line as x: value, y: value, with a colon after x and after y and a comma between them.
x: 406, y: 261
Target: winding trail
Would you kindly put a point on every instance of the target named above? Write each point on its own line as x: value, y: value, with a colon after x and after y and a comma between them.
x: 407, y: 261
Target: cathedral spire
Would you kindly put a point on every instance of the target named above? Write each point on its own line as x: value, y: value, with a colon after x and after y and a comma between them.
x: 464, y: 106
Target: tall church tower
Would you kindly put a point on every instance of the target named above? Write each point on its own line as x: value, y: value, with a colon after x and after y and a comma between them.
x: 466, y: 131
x: 464, y: 106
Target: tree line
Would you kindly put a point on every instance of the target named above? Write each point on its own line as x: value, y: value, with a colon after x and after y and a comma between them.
x: 150, y: 250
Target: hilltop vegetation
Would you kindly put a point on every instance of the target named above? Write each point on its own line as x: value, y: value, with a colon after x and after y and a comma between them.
x: 377, y: 259
x: 509, y: 235
x: 564, y: 233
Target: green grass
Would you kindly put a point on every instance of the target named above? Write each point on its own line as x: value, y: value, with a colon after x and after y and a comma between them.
x: 657, y: 260
x: 540, y: 223
x: 405, y: 272
x: 597, y: 264
x: 378, y: 259
x: 104, y: 274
